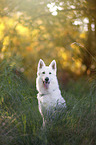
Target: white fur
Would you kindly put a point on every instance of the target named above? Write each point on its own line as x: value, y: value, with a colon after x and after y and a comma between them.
x: 50, y: 97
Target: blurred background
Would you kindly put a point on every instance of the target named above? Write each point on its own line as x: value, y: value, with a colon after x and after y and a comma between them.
x: 64, y: 30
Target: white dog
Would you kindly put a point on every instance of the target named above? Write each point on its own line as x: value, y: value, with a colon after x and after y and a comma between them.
x: 49, y: 95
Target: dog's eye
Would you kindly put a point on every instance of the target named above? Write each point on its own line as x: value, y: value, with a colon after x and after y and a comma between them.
x: 50, y: 73
x: 43, y: 72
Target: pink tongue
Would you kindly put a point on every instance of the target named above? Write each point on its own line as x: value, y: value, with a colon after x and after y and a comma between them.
x: 46, y: 85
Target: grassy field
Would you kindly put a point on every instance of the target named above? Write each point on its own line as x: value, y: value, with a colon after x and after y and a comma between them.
x: 21, y: 122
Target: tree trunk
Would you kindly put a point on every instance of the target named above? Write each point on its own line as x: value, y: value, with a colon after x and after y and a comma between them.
x: 87, y: 57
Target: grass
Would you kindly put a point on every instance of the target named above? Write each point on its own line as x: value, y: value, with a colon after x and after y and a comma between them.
x: 21, y: 122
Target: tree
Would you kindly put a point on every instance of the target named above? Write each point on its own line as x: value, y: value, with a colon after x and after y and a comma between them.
x: 50, y: 29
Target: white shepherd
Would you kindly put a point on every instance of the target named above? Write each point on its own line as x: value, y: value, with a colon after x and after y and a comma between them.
x: 49, y: 95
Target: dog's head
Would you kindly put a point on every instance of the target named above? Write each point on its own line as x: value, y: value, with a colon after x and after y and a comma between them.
x: 46, y: 76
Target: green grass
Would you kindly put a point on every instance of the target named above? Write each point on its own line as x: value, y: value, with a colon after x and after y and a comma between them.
x: 21, y: 122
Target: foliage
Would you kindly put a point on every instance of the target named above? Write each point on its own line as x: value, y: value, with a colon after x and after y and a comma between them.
x: 61, y: 30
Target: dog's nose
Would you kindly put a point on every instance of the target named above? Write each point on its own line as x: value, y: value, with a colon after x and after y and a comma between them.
x: 46, y: 79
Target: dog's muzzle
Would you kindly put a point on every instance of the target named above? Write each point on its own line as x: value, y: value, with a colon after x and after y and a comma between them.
x: 46, y: 83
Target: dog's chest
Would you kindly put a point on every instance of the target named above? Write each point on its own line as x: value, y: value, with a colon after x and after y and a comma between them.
x: 47, y: 101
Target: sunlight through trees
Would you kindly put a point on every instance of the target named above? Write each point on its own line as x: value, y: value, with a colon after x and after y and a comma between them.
x: 61, y: 30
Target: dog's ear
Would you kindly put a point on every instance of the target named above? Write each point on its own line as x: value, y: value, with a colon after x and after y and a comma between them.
x: 41, y: 64
x: 53, y: 65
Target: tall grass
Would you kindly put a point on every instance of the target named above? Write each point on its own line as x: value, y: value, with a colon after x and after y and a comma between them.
x: 19, y: 115
x: 21, y: 122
